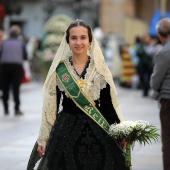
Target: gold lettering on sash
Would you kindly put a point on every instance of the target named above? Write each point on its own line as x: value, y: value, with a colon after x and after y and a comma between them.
x: 88, y: 108
x: 71, y: 87
x: 95, y: 116
x: 102, y: 122
x: 61, y: 70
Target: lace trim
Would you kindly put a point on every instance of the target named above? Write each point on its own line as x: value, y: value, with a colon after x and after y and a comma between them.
x: 95, y: 81
x: 49, y: 96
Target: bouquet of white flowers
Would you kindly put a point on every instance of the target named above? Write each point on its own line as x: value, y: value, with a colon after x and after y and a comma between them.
x: 140, y: 131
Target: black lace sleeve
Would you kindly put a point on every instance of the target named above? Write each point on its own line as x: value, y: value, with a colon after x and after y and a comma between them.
x: 58, y: 97
x: 106, y: 106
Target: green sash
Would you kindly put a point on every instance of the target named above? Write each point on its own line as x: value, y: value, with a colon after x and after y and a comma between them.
x: 79, y: 98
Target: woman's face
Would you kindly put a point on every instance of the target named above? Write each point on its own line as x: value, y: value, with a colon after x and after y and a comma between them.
x: 79, y: 40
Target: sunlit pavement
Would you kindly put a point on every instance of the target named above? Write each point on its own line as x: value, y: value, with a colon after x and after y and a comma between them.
x: 18, y: 133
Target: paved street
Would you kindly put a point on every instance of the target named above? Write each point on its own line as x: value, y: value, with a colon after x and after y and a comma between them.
x: 18, y: 134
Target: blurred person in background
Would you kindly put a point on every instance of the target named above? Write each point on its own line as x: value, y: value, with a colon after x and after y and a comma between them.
x: 135, y: 58
x: 112, y: 56
x: 2, y: 37
x: 34, y: 51
x: 12, y: 55
x: 144, y: 65
x: 31, y: 46
x: 70, y: 138
x: 156, y: 46
x: 160, y: 82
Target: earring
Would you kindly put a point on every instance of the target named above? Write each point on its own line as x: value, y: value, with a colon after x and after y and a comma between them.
x: 89, y: 48
x: 70, y: 53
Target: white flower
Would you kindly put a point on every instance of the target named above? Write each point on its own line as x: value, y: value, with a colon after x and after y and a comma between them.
x: 140, y: 124
x: 122, y: 129
x: 127, y: 129
x: 131, y: 131
x: 129, y: 123
x: 52, y: 39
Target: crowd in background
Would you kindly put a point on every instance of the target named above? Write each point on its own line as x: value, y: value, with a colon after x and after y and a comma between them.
x: 133, y: 63
x: 145, y: 49
x: 139, y: 57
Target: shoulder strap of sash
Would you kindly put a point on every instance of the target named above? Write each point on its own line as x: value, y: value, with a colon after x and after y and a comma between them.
x: 78, y: 97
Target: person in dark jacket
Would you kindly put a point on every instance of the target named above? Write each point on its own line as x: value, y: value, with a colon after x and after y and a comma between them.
x: 12, y: 55
x: 160, y: 83
x: 144, y: 66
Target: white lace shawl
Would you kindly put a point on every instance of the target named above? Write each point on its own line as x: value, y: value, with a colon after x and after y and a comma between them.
x: 95, y: 82
x: 99, y: 72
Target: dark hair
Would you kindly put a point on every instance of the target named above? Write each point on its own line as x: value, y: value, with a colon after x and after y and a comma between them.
x: 15, y: 31
x: 138, y: 39
x: 78, y: 22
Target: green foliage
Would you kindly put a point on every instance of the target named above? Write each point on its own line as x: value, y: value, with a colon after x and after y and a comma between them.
x: 139, y: 131
x: 145, y: 135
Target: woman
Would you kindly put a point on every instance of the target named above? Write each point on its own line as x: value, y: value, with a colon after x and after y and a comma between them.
x: 80, y: 89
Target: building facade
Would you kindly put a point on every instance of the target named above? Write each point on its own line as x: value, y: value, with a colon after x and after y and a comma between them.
x: 127, y: 18
x: 32, y: 15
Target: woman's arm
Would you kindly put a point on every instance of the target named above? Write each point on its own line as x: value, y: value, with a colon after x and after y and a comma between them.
x: 106, y: 106
x: 58, y: 98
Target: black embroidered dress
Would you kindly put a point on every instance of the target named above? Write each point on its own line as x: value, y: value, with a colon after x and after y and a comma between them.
x: 76, y: 142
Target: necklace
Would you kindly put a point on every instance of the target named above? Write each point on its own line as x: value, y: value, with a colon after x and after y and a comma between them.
x: 80, y: 65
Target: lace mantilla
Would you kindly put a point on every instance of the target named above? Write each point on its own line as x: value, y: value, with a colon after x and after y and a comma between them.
x: 95, y: 82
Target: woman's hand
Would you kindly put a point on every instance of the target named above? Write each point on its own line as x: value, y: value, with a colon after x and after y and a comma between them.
x: 123, y: 144
x: 41, y: 150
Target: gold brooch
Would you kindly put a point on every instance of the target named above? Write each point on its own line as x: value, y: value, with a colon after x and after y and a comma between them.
x: 81, y: 82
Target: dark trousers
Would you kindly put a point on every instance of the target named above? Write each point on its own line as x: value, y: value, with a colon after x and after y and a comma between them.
x: 144, y: 76
x: 165, y: 130
x: 11, y: 79
x: 0, y: 79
